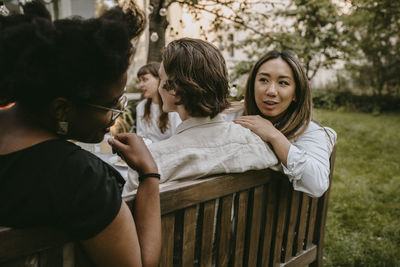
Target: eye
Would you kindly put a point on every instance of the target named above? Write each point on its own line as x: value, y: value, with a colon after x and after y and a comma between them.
x: 284, y: 83
x: 263, y: 80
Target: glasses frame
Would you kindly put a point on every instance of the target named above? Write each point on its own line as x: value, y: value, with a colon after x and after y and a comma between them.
x: 123, y: 101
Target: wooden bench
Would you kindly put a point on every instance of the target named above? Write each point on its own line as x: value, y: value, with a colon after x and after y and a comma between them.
x: 249, y: 219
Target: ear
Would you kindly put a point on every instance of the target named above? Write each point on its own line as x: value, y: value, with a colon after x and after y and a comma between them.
x: 59, y: 108
x: 177, y: 98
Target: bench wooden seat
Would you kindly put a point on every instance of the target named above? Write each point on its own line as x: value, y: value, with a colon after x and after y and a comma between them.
x: 249, y: 219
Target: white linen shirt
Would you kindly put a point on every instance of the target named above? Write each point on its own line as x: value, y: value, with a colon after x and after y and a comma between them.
x: 308, y: 163
x: 149, y: 129
x: 204, y: 146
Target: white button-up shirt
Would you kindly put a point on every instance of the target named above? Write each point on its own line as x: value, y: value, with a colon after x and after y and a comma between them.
x: 308, y: 163
x: 204, y: 146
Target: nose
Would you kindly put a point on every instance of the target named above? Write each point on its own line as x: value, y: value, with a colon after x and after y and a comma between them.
x: 271, y: 90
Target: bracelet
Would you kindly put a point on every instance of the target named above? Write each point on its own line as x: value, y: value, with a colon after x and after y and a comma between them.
x: 147, y: 175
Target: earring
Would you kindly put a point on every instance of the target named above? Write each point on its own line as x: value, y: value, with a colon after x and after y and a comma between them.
x: 62, y: 128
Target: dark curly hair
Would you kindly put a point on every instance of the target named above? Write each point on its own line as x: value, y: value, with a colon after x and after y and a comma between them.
x: 74, y: 58
x: 197, y: 72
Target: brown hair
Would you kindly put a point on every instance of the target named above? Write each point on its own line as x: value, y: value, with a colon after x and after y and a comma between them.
x: 152, y: 69
x: 197, y: 72
x: 299, y: 113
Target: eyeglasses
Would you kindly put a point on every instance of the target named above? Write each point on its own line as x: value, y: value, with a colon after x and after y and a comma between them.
x: 122, y: 102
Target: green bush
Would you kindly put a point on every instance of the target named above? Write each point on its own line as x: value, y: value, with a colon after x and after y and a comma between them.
x: 331, y: 99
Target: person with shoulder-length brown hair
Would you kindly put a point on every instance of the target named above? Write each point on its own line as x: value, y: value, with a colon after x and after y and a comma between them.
x: 151, y: 122
x: 278, y: 106
x: 194, y: 83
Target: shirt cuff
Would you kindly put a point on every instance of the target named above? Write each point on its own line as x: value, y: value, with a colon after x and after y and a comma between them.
x: 296, y: 162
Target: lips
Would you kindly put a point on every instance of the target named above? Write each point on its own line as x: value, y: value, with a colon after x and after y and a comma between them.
x: 269, y: 104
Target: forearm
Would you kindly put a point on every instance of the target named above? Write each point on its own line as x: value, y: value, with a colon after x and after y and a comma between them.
x: 148, y: 221
x: 281, y: 146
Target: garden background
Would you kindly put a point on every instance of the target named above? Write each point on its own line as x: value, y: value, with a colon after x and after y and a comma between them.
x: 360, y: 40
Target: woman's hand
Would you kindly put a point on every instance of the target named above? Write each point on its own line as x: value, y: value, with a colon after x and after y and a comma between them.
x: 266, y: 130
x: 260, y: 126
x: 133, y: 150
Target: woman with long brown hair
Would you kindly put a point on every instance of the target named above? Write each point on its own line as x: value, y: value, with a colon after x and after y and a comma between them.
x: 278, y: 106
x: 151, y: 122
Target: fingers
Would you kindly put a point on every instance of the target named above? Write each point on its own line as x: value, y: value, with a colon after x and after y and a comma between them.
x: 133, y: 150
x: 247, y: 125
x: 245, y: 121
x: 116, y: 145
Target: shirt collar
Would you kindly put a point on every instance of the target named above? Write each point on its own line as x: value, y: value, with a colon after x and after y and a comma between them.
x: 198, y: 121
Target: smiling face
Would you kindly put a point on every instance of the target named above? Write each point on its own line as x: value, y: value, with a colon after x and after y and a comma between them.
x: 149, y: 85
x: 274, y: 88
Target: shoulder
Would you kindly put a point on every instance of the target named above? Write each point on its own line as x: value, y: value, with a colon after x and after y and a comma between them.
x: 90, y: 167
x: 76, y: 166
x: 89, y: 189
x: 68, y: 187
x: 315, y: 128
x: 317, y: 134
x: 174, y: 117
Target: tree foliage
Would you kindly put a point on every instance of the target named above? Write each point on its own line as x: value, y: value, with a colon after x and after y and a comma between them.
x: 366, y: 38
x: 312, y: 33
x: 224, y: 11
x: 373, y: 36
x: 309, y: 29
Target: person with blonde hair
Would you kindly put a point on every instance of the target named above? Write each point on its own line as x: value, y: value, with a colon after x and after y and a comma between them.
x: 278, y: 108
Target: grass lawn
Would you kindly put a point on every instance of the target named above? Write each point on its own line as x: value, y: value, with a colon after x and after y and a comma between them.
x: 363, y: 226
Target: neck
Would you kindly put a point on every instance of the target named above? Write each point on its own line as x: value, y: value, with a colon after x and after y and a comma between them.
x: 183, y: 114
x: 155, y: 99
x: 23, y: 130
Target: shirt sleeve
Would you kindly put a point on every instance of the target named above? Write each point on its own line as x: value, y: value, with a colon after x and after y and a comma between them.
x: 90, y: 198
x: 308, y: 163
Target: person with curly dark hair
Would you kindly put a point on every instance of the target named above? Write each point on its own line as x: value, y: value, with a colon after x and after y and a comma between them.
x: 151, y: 122
x: 194, y: 83
x: 67, y: 81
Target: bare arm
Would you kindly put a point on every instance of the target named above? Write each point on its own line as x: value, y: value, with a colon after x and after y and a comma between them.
x: 117, y: 244
x: 148, y: 221
x: 147, y: 213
